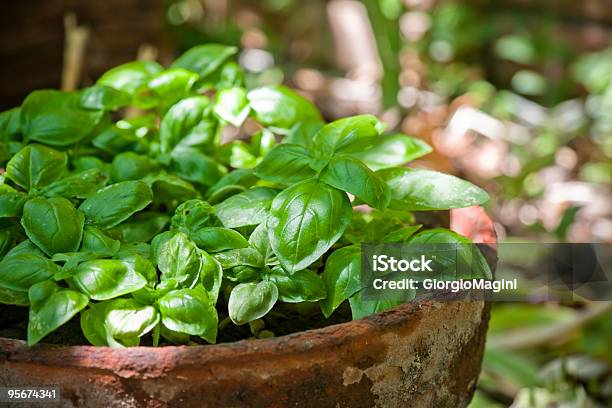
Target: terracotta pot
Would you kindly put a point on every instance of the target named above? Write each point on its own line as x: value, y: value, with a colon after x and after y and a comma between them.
x: 417, y: 355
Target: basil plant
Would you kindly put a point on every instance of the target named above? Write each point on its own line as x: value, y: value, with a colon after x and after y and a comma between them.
x: 122, y: 206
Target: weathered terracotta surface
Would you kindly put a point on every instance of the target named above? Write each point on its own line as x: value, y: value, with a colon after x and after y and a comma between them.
x: 417, y: 355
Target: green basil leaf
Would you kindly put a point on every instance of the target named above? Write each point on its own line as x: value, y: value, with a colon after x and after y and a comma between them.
x: 280, y: 107
x: 24, y: 247
x: 168, y: 188
x: 116, y: 203
x: 128, y: 319
x: 402, y: 234
x: 5, y: 153
x: 36, y: 166
x: 92, y: 324
x: 115, y: 140
x: 231, y: 75
x: 9, y: 124
x: 54, y: 118
x: 79, y: 185
x: 130, y: 77
x: 188, y: 119
x: 342, y: 277
x: 354, y: 177
x: 95, y: 241
x: 466, y: 254
x: 50, y: 307
x: 224, y: 193
x: 141, y: 125
x: 172, y: 85
x: 18, y: 272
x: 147, y: 295
x: 11, y: 201
x: 165, y: 286
x: 348, y: 135
x: 71, y: 261
x: 192, y: 165
x: 216, y: 239
x: 104, y: 98
x: 53, y: 224
x: 301, y: 286
x: 392, y: 150
x: 248, y: 208
x: 242, y: 274
x: 178, y: 258
x: 211, y: 276
x: 190, y: 311
x: 239, y: 257
x: 158, y: 242
x: 204, y: 59
x: 104, y: 279
x: 232, y: 106
x: 7, y: 240
x: 239, y: 177
x: 420, y: 190
x: 174, y: 337
x: 305, y: 220
x: 118, y: 323
x: 84, y: 163
x: 286, y: 164
x: 237, y: 154
x: 251, y: 301
x: 134, y: 248
x: 260, y: 241
x: 140, y: 263
x: 361, y: 308
x: 302, y: 133
x: 135, y: 258
x: 141, y: 227
x: 193, y: 215
x: 131, y: 166
x: 262, y: 142
x: 380, y: 225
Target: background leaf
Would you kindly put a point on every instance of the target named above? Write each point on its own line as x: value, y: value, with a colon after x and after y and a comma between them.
x: 204, y: 59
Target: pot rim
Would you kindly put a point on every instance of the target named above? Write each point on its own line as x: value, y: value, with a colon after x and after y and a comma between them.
x: 472, y: 222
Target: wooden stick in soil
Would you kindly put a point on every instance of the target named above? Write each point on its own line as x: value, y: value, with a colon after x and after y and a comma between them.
x: 74, y: 52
